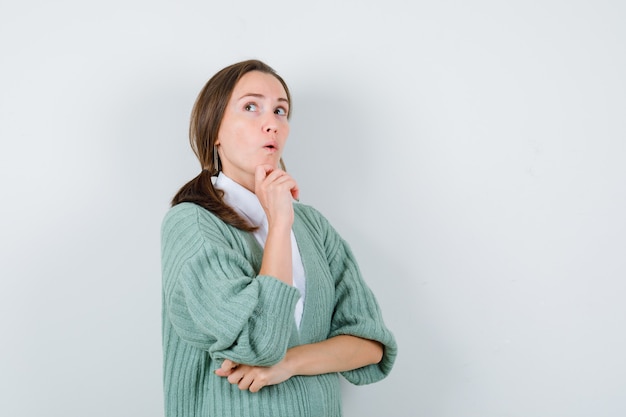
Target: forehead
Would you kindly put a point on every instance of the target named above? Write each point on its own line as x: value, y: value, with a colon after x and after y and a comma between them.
x: 257, y: 82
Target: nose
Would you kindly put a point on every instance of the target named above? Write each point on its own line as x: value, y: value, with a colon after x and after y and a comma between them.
x: 270, y: 125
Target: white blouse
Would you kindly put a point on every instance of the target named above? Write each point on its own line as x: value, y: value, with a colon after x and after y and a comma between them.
x: 247, y: 204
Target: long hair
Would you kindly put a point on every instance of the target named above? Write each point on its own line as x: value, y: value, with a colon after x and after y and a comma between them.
x: 206, y: 118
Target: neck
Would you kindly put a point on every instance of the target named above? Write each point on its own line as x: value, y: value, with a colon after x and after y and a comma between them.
x: 246, y: 181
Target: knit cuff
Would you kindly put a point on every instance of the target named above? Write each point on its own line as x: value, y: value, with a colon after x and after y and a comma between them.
x: 273, y: 318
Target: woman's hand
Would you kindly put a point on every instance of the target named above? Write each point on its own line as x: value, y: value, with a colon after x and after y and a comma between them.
x: 253, y: 378
x: 275, y: 189
x: 337, y: 354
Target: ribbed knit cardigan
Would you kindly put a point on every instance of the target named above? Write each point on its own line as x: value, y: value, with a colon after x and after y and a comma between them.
x: 216, y: 306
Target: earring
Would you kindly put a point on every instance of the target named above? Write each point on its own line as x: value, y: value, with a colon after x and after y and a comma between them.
x: 216, y: 160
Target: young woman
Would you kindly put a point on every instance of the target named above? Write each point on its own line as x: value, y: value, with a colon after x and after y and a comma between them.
x: 263, y: 302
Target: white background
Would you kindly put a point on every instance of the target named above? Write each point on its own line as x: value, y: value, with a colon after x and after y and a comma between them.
x: 473, y: 154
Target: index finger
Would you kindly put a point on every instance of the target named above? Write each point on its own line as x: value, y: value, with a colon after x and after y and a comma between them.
x: 261, y: 172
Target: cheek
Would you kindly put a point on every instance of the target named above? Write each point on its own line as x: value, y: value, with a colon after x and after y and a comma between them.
x: 235, y: 136
x: 286, y: 129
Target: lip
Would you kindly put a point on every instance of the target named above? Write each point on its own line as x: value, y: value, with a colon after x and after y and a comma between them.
x: 271, y: 145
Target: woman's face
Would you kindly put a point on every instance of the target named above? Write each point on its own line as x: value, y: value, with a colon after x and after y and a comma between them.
x: 254, y: 128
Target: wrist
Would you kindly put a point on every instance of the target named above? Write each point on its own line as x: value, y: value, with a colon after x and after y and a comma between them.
x: 291, y: 361
x: 279, y: 227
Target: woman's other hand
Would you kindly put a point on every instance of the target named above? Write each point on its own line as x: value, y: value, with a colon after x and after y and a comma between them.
x: 253, y: 378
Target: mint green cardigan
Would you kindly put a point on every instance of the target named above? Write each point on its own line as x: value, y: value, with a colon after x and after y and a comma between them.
x: 216, y: 306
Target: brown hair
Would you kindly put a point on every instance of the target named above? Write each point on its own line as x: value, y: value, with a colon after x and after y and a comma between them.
x: 206, y: 118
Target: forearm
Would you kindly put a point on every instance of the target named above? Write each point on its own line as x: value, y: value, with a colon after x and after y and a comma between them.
x: 277, y: 254
x: 337, y: 354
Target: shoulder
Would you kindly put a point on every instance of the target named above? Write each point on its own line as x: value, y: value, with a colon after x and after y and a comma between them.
x: 310, y: 215
x: 308, y: 211
x: 180, y: 211
x: 189, y: 212
x: 189, y: 218
x: 317, y: 225
x: 178, y: 216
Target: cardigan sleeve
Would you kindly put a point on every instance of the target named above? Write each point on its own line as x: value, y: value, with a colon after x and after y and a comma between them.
x: 212, y: 295
x: 357, y: 311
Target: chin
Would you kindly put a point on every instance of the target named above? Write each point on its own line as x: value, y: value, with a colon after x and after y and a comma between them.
x: 275, y: 162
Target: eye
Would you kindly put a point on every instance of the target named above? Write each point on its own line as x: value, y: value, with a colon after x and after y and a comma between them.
x: 281, y: 111
x: 250, y: 107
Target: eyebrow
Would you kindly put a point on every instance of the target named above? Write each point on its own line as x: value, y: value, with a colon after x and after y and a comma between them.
x: 262, y: 96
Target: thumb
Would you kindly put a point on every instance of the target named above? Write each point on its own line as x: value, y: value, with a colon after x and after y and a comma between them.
x: 226, y: 368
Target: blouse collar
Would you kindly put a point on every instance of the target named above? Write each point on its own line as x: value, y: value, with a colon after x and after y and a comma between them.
x: 241, y: 199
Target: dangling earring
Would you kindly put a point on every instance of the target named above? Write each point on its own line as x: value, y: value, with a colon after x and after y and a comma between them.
x: 216, y: 160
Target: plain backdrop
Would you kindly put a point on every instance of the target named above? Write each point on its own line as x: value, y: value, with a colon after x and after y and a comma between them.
x: 472, y: 153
